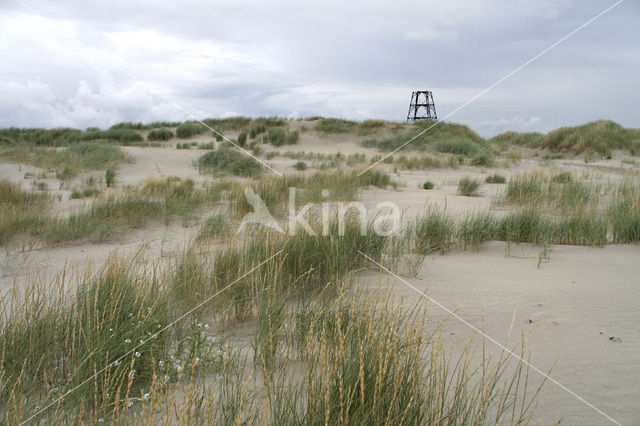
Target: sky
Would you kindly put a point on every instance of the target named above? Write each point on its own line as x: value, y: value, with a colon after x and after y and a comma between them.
x: 84, y: 63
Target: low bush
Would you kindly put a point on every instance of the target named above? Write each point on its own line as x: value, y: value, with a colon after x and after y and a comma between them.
x: 227, y: 160
x: 123, y: 135
x: 457, y: 146
x: 468, y: 187
x: 482, y: 159
x: 161, y: 134
x: 187, y: 130
x: 335, y: 125
x: 495, y: 178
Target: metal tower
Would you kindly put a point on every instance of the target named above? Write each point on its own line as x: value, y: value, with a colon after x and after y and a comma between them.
x: 421, y: 106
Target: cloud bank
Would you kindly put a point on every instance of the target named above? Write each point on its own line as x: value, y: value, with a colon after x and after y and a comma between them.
x: 70, y: 64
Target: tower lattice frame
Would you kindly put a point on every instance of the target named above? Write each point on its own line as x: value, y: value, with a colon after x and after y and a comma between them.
x: 421, y: 106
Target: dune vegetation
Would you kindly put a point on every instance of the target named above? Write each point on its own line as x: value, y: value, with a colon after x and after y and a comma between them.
x: 146, y: 340
x: 120, y: 348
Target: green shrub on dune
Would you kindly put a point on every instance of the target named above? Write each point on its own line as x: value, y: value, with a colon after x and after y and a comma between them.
x: 228, y: 160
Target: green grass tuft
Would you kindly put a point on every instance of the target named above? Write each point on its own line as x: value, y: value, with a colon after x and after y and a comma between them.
x: 228, y: 160
x: 469, y: 187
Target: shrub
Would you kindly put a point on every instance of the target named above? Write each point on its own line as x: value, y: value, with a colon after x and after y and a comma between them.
x: 161, y: 134
x: 599, y: 136
x: 468, y: 187
x: 375, y: 177
x: 301, y: 165
x: 186, y: 130
x: 121, y: 135
x: 242, y: 138
x: 496, y: 178
x: 428, y: 185
x: 457, y: 146
x: 277, y: 136
x: 335, y: 125
x: 444, y: 137
x: 482, y: 159
x: 292, y: 137
x: 256, y: 129
x: 110, y: 177
x: 227, y: 160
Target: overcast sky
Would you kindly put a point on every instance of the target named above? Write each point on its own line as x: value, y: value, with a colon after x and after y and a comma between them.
x: 80, y: 63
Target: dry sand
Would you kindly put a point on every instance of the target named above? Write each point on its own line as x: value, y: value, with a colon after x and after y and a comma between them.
x: 576, y: 302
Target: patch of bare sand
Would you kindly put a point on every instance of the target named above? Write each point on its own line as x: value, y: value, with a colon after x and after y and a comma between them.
x: 149, y: 244
x: 576, y: 303
x: 158, y: 162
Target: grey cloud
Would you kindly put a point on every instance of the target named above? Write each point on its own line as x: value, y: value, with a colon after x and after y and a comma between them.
x: 332, y: 58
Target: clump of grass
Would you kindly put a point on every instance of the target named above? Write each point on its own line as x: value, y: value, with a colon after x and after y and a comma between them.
x: 596, y: 137
x: 278, y: 136
x: 257, y: 129
x: 301, y: 165
x: 496, y: 178
x: 369, y: 126
x: 469, y: 187
x: 161, y: 134
x: 110, y: 177
x: 274, y: 190
x: 187, y: 130
x: 432, y: 232
x: 371, y: 361
x: 482, y: 159
x: 227, y: 160
x: 40, y: 185
x: 457, y: 146
x: 242, y: 138
x: 423, y: 162
x: 186, y: 145
x: 52, y: 343
x: 624, y: 213
x: 476, y: 228
x: 524, y: 187
x: 528, y: 139
x: 335, y: 125
x: 21, y: 211
x: 428, y: 185
x: 214, y: 226
x: 527, y: 225
x: 444, y: 137
x: 123, y: 135
x: 355, y: 159
x: 69, y: 161
x: 376, y: 177
x: 581, y: 230
x: 85, y: 193
x: 563, y: 177
x: 39, y: 137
